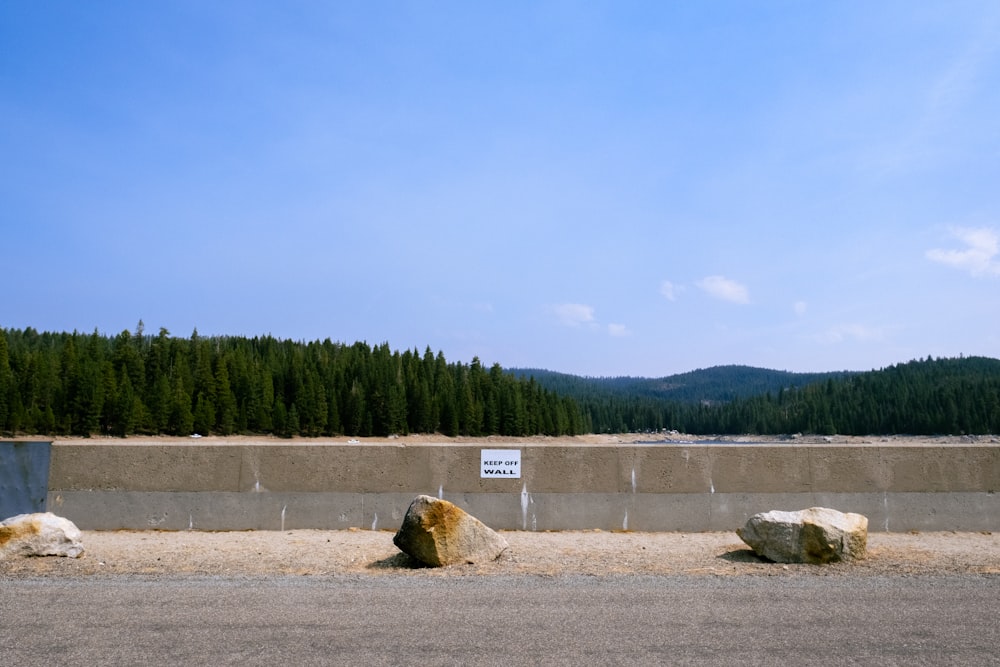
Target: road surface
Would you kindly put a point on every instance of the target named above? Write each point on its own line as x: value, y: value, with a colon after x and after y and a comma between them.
x: 502, y: 620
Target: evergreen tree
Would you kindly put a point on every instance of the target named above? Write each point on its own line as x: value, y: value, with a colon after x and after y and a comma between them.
x: 6, y: 383
x: 127, y: 408
x: 293, y: 425
x: 181, y: 419
x: 227, y: 410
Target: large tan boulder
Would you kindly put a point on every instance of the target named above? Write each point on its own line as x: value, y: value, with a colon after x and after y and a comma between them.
x: 437, y: 532
x: 40, y: 534
x: 815, y: 535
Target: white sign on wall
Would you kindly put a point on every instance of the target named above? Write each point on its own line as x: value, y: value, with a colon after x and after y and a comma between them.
x: 500, y: 463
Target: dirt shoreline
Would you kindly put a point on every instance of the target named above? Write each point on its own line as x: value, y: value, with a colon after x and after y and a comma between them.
x: 593, y: 553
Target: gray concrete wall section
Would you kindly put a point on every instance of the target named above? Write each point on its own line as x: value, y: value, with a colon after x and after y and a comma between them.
x: 24, y: 474
x: 633, y: 487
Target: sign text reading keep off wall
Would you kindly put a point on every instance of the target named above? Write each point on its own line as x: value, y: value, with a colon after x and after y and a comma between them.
x: 502, y: 463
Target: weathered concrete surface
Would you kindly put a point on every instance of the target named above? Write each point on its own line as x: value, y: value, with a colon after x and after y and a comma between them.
x: 24, y: 474
x: 128, y: 484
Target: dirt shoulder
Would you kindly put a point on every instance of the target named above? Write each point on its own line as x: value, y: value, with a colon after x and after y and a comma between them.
x: 596, y: 553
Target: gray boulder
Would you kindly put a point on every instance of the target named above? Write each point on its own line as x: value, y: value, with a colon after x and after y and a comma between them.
x: 815, y: 535
x: 40, y: 534
x: 437, y: 532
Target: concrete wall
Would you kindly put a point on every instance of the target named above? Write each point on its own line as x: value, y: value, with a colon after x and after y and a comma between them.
x: 633, y: 487
x: 24, y: 474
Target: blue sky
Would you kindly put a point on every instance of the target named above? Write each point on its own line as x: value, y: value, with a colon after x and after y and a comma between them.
x: 599, y: 188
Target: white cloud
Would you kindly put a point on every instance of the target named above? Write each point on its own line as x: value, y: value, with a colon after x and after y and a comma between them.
x: 574, y: 314
x: 800, y: 307
x: 979, y: 256
x: 859, y: 332
x: 669, y: 290
x: 618, y: 330
x: 579, y: 314
x: 723, y: 288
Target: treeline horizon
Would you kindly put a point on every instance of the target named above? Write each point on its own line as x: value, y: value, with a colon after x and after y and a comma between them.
x: 956, y: 396
x: 139, y: 384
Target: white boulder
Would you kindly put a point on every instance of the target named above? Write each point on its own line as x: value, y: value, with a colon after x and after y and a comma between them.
x: 815, y: 535
x: 437, y: 532
x: 40, y: 534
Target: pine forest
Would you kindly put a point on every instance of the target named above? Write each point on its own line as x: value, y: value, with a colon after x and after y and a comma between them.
x: 73, y: 384
x: 139, y: 384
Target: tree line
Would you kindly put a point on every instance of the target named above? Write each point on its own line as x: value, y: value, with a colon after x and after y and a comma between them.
x: 921, y: 397
x: 135, y: 383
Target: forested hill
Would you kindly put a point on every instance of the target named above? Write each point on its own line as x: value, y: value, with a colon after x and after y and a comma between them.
x: 924, y: 397
x: 929, y: 397
x: 719, y: 384
x: 135, y: 383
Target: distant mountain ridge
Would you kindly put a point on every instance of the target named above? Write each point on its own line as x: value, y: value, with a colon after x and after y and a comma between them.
x: 718, y: 384
x: 921, y: 397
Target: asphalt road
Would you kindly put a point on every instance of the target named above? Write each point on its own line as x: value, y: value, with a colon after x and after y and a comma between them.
x: 505, y: 620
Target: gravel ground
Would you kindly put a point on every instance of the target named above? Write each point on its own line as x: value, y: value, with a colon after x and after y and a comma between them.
x: 594, y: 553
